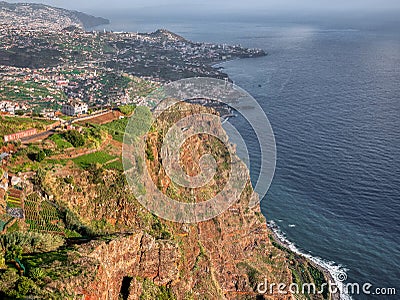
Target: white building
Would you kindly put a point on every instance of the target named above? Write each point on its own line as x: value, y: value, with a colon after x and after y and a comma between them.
x: 74, y: 108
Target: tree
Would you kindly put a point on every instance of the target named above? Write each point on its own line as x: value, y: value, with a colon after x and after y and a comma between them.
x: 25, y: 285
x: 13, y: 252
x: 37, y: 156
x: 75, y: 138
x: 40, y: 178
x: 40, y: 156
x: 95, y: 173
x: 127, y: 109
x: 17, y: 243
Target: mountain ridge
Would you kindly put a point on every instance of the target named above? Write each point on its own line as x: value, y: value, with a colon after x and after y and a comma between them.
x: 36, y: 15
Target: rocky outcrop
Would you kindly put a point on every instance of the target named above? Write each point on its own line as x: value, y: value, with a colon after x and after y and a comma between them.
x: 220, y: 259
x: 109, y: 262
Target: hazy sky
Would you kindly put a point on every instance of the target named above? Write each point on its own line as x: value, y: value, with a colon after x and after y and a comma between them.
x: 224, y: 6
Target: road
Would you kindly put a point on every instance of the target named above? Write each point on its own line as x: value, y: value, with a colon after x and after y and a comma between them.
x: 45, y: 134
x: 38, y: 137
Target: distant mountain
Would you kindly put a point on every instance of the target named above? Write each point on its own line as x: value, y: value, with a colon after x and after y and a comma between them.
x: 166, y: 35
x: 39, y: 16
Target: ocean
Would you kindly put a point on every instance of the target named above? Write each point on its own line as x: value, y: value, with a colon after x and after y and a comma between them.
x: 332, y: 94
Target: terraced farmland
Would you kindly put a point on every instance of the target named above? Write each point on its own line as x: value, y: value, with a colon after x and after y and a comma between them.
x: 14, y: 198
x: 100, y: 157
x: 42, y: 215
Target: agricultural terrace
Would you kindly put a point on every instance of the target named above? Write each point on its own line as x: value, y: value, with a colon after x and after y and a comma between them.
x: 117, y: 127
x: 33, y: 92
x: 42, y: 215
x: 99, y: 157
x: 9, y: 125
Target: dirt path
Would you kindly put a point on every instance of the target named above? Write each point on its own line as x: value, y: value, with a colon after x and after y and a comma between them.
x: 102, y: 119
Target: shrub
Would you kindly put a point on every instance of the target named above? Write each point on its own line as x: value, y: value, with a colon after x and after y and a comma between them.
x: 13, y: 252
x: 37, y: 156
x: 127, y: 109
x: 8, y: 280
x: 95, y: 133
x: 151, y: 291
x: 75, y: 138
x: 69, y: 180
x: 37, y: 273
x: 2, y: 261
x: 149, y: 153
x: 25, y: 286
x: 16, y: 243
x: 48, y: 152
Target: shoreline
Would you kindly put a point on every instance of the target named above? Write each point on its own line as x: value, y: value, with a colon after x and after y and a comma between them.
x: 283, y: 242
x: 217, y: 65
x: 278, y: 237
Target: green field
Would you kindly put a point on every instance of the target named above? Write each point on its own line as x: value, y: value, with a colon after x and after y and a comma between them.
x: 13, y: 202
x: 117, y: 129
x: 60, y: 142
x: 115, y: 165
x: 142, y: 118
x: 100, y: 157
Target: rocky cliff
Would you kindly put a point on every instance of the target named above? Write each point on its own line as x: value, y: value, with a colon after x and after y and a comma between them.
x: 128, y: 253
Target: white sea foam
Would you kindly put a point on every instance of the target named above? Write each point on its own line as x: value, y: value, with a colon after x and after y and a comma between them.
x: 334, y: 269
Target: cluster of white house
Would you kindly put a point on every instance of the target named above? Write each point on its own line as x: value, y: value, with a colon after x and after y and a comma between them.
x: 74, y: 108
x: 12, y: 106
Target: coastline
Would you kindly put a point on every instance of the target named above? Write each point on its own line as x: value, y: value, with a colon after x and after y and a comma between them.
x: 278, y: 237
x: 217, y: 65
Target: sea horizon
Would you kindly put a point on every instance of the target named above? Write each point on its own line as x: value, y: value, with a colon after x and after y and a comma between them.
x: 189, y: 150
x: 316, y: 164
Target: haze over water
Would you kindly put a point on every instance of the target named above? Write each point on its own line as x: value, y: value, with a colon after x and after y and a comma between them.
x: 331, y: 91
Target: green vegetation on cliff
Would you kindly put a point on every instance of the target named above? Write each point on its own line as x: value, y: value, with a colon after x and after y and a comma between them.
x: 86, y: 235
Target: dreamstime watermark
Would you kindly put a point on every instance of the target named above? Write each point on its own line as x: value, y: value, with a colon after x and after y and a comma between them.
x: 137, y: 152
x: 330, y: 287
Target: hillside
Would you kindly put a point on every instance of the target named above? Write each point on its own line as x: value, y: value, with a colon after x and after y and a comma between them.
x: 70, y: 224
x: 102, y: 244
x: 39, y: 16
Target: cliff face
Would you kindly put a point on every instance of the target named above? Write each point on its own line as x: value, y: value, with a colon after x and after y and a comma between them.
x: 135, y: 255
x: 109, y: 263
x: 220, y: 259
